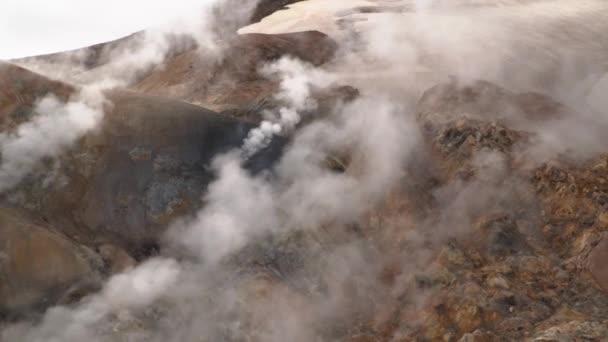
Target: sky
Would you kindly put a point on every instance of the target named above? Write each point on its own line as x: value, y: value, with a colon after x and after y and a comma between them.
x: 32, y: 27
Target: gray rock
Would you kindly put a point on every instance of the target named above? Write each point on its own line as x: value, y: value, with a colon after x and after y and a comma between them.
x: 574, y: 331
x: 140, y: 154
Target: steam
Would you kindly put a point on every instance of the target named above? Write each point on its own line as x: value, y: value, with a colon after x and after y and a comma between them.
x: 297, y: 81
x: 58, y: 126
x: 290, y: 253
x: 521, y: 46
x: 136, y: 288
x: 55, y: 127
x: 242, y: 210
x: 238, y: 207
x: 423, y: 5
x: 126, y: 60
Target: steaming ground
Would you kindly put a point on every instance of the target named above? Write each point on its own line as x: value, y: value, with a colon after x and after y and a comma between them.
x: 521, y: 45
x: 531, y: 39
x: 430, y: 206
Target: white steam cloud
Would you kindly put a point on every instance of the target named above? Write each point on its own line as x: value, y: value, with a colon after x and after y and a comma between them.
x: 297, y: 80
x: 133, y: 289
x: 55, y: 127
x: 241, y: 209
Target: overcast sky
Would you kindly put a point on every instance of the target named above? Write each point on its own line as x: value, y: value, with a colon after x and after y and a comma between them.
x: 32, y: 27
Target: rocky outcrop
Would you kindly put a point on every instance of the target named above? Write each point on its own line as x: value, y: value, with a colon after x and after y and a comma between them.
x: 523, y: 257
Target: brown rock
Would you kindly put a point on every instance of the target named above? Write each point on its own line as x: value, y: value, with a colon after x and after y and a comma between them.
x: 451, y: 256
x: 116, y: 259
x: 498, y: 282
x: 603, y: 218
x: 596, y: 263
x: 210, y: 82
x: 325, y: 99
x: 485, y: 101
x: 585, y: 242
x: 19, y: 91
x: 37, y: 264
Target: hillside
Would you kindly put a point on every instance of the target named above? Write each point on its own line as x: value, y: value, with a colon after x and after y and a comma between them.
x: 335, y: 171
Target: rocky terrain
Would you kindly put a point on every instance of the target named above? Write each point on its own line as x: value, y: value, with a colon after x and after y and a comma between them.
x: 344, y: 171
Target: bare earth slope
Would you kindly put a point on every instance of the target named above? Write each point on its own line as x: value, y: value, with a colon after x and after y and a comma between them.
x: 234, y: 81
x: 494, y: 227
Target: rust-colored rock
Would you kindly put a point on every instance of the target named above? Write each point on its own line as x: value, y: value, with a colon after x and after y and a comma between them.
x: 597, y: 264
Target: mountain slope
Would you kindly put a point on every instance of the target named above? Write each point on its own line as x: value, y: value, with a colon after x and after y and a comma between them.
x: 420, y: 173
